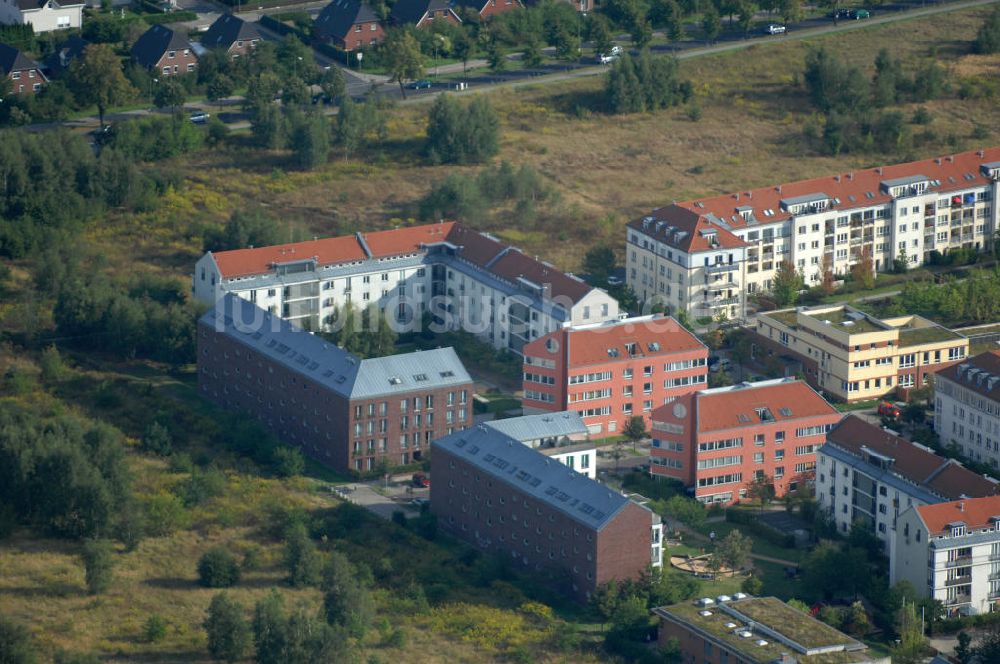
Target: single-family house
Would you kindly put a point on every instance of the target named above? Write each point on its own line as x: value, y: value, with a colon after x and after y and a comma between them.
x: 423, y: 13
x: 166, y: 51
x: 233, y: 35
x: 487, y: 8
x: 25, y: 74
x: 42, y: 15
x: 349, y: 24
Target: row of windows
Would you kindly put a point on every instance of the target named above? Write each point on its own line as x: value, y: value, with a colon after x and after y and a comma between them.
x: 720, y: 479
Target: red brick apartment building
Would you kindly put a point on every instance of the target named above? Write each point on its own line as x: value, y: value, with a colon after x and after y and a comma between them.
x: 348, y: 413
x: 719, y: 440
x: 504, y: 497
x: 608, y: 372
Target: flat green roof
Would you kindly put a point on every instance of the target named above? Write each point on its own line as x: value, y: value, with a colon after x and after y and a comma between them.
x: 786, y: 316
x: 840, y: 316
x: 775, y: 615
x: 917, y: 336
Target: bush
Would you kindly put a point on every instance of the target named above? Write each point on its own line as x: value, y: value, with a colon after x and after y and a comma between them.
x: 227, y: 628
x: 98, y: 562
x: 155, y: 629
x: 16, y: 644
x: 218, y: 569
x: 460, y: 133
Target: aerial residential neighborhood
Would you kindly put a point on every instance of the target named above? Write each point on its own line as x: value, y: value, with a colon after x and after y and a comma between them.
x: 654, y: 332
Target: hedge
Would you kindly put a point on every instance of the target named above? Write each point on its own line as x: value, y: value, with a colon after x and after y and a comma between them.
x: 282, y: 28
x: 169, y: 17
x: 745, y: 518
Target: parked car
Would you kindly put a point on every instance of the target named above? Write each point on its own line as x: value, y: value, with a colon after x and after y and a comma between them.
x: 422, y: 84
x: 200, y: 117
x: 420, y: 502
x: 859, y: 14
x: 421, y: 480
x: 102, y: 135
x: 722, y: 365
x: 887, y: 409
x: 840, y: 13
x: 776, y: 29
x: 615, y: 281
x: 610, y: 56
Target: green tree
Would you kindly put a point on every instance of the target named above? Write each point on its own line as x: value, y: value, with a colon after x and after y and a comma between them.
x: 599, y: 262
x: 16, y: 644
x: 901, y: 263
x: 333, y: 83
x: 288, y: 461
x: 227, y: 629
x: 246, y: 227
x: 887, y: 79
x: 463, y: 47
x: 745, y: 15
x: 856, y: 619
x: 219, y: 88
x: 786, y: 284
x: 532, y: 53
x: 600, y: 34
x: 911, y: 642
x: 963, y: 650
x: 311, y: 140
x: 863, y: 269
x: 790, y: 10
x: 52, y: 365
x: 623, y: 88
x: 267, y: 125
x: 302, y: 558
x: 734, y: 550
x: 462, y: 133
x: 752, y: 585
x: 99, y: 565
x: 218, y: 568
x: 169, y: 93
x: 157, y: 440
x: 270, y: 630
x: 96, y: 78
x: 988, y: 37
x: 347, y: 603
x: 403, y: 58
x: 635, y: 430
x: 711, y: 24
x: 761, y: 489
x: 988, y: 647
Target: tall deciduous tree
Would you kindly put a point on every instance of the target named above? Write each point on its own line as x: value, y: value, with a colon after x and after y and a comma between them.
x: 404, y: 59
x: 786, y: 284
x: 863, y: 270
x: 227, y: 628
x: 98, y: 563
x: 711, y: 24
x: 734, y: 550
x: 96, y: 78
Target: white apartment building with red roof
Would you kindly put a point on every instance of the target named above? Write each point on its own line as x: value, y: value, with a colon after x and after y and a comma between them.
x: 718, y: 441
x: 609, y: 372
x: 466, y: 279
x: 703, y: 256
x: 951, y: 552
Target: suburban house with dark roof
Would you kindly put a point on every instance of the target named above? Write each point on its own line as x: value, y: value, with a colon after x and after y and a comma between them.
x: 25, y: 74
x: 871, y: 475
x: 165, y: 51
x: 950, y: 552
x: 967, y: 407
x: 718, y: 441
x: 231, y: 34
x: 349, y: 24
x: 502, y: 496
x: 700, y: 255
x: 464, y: 279
x: 755, y: 630
x: 422, y: 13
x: 57, y: 63
x: 487, y: 8
x: 42, y: 15
x: 853, y: 356
x: 610, y: 371
x: 350, y: 413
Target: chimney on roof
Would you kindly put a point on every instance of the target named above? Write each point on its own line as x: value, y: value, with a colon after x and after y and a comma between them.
x: 850, y: 176
x: 951, y: 159
x: 779, y: 188
x: 879, y: 170
x: 938, y: 161
x: 750, y: 195
x: 737, y: 195
x: 836, y: 178
x: 981, y: 154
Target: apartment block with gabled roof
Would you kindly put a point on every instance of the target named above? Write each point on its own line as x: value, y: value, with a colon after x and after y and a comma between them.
x: 951, y: 552
x: 502, y: 496
x: 718, y: 441
x: 609, y: 372
x: 462, y: 278
x: 967, y: 407
x: 869, y: 475
x: 702, y: 255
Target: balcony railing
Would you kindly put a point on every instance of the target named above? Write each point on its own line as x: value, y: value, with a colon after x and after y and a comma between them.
x: 722, y: 267
x: 724, y: 302
x: 959, y: 581
x: 958, y: 599
x: 963, y: 561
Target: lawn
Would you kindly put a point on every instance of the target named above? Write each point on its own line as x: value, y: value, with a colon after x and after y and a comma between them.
x: 760, y: 545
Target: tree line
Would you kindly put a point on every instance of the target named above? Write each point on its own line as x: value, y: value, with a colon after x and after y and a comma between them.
x: 973, y: 299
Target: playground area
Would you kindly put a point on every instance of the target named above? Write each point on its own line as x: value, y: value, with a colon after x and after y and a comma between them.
x: 700, y: 566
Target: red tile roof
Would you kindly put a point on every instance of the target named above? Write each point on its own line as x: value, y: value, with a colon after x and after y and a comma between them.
x: 736, y: 407
x: 402, y: 241
x: 945, y: 477
x: 980, y: 381
x: 328, y: 251
x: 973, y: 512
x: 480, y: 249
x: 951, y: 171
x: 685, y: 230
x: 852, y: 189
x: 589, y: 345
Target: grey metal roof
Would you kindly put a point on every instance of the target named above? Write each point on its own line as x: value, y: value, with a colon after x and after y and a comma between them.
x: 908, y: 487
x: 328, y: 365
x: 547, y: 480
x: 902, y: 182
x: 807, y: 198
x: 542, y: 425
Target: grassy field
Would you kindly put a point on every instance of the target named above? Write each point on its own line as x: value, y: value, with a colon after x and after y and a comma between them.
x: 604, y: 169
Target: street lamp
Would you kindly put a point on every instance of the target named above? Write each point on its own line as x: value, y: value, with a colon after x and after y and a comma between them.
x: 360, y: 57
x: 151, y: 81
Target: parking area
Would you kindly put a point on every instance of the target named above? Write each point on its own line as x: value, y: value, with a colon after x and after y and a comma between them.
x: 385, y: 496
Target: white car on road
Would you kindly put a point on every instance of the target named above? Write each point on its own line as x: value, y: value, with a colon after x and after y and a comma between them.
x: 610, y: 56
x: 776, y: 29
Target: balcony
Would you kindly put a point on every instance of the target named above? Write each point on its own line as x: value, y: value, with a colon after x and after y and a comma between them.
x: 722, y: 267
x: 963, y: 561
x: 724, y: 302
x: 958, y: 581
x: 958, y: 599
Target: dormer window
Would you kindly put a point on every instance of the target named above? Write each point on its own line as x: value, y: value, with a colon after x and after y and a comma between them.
x: 172, y: 54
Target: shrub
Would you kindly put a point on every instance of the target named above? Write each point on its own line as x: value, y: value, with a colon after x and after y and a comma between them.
x: 460, y: 133
x: 155, y: 629
x: 227, y: 628
x: 98, y: 562
x: 218, y: 569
